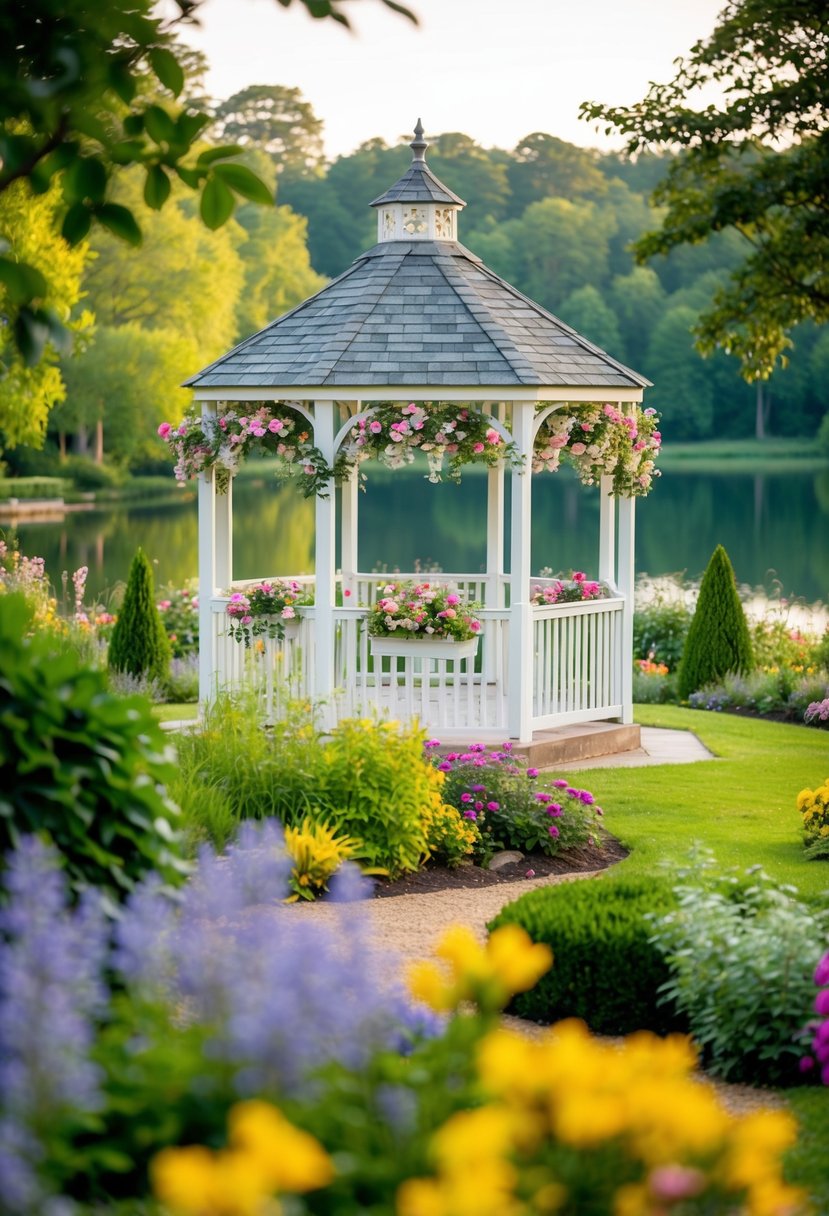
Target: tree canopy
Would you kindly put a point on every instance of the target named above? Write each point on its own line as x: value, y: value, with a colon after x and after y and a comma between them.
x: 755, y: 162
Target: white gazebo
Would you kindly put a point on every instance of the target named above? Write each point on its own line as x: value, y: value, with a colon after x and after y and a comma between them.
x: 418, y: 318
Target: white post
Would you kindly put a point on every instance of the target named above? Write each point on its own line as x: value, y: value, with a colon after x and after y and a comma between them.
x: 607, y: 532
x: 495, y: 537
x: 208, y: 659
x: 325, y: 571
x: 519, y: 712
x: 627, y: 522
x: 349, y: 530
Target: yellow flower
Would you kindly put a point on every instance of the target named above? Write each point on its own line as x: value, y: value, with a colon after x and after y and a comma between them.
x: 291, y: 1159
x: 805, y: 798
x: 489, y: 975
x: 196, y: 1182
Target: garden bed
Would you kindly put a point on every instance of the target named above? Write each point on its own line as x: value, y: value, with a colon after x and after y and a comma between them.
x: 585, y: 859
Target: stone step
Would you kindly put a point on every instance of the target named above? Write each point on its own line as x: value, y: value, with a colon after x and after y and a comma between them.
x: 565, y: 744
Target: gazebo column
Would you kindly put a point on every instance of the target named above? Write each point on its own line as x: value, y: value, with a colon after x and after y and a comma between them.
x: 607, y: 532
x: 519, y: 714
x: 626, y: 578
x: 494, y: 594
x: 215, y: 571
x: 325, y: 563
x: 349, y: 533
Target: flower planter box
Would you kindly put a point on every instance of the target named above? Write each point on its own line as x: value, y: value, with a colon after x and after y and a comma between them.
x: 424, y: 648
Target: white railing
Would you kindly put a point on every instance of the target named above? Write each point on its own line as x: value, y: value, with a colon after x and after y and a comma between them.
x: 576, y: 675
x: 477, y: 588
x: 578, y: 657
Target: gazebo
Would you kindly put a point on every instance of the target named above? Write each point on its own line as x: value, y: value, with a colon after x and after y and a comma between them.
x: 418, y: 318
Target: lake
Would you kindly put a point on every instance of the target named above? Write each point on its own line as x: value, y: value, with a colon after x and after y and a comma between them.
x: 773, y: 525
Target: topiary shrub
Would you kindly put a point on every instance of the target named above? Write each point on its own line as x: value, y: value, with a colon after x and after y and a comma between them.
x: 605, y: 969
x: 718, y: 640
x: 139, y: 644
x: 82, y: 766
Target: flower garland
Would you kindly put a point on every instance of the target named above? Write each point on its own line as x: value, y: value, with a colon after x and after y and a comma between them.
x: 263, y: 610
x: 575, y: 590
x: 394, y: 432
x: 419, y: 610
x: 200, y: 443
x: 600, y: 440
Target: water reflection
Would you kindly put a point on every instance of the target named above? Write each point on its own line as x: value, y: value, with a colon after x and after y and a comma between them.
x: 771, y: 524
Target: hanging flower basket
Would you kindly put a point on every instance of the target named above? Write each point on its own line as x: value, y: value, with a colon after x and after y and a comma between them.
x: 576, y: 589
x: 267, y: 610
x: 424, y: 648
x: 600, y: 440
x: 449, y: 435
x: 221, y: 443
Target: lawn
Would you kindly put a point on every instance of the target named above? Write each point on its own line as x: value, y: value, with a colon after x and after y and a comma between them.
x: 186, y: 711
x: 742, y: 806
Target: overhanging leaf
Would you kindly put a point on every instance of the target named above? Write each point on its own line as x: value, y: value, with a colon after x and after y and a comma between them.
x: 156, y: 187
x: 120, y: 221
x: 244, y: 182
x: 168, y: 69
x: 217, y: 203
x: 22, y: 282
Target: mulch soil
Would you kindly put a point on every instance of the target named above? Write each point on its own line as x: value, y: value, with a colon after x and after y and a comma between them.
x: 535, y: 865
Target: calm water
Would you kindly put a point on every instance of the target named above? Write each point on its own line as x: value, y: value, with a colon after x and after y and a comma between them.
x: 772, y: 525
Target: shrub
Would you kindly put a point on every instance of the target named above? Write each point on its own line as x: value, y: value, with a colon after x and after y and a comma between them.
x: 820, y: 654
x: 88, y: 475
x: 316, y: 854
x: 605, y: 969
x: 741, y: 954
x: 652, y: 687
x: 775, y: 643
x: 179, y: 609
x: 139, y: 644
x: 84, y: 767
x: 449, y: 837
x: 498, y: 793
x: 373, y: 783
x: 814, y: 807
x: 718, y: 641
x: 660, y: 627
x: 182, y: 683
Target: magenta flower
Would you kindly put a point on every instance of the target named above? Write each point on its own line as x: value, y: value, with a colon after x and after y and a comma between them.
x: 532, y: 772
x: 164, y: 430
x: 561, y: 785
x: 493, y: 806
x: 444, y: 767
x: 822, y: 1003
x: 553, y: 830
x: 466, y: 798
x: 822, y: 971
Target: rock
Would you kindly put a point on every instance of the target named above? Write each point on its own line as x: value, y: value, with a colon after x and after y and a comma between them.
x: 507, y: 857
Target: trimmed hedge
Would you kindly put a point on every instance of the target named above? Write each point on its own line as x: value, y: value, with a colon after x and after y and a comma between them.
x: 718, y: 640
x: 604, y: 969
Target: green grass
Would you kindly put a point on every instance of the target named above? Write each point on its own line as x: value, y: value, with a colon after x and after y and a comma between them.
x: 742, y: 806
x: 184, y: 711
x: 728, y: 455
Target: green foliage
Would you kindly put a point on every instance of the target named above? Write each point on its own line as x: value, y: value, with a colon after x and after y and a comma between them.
x: 660, y: 626
x: 780, y: 692
x: 317, y: 853
x: 139, y: 645
x: 742, y: 952
x: 718, y: 640
x: 367, y: 781
x: 372, y: 784
x: 32, y: 487
x: 84, y: 767
x: 820, y: 654
x: 86, y: 474
x: 276, y: 119
x: 755, y: 162
x: 651, y: 687
x: 605, y: 969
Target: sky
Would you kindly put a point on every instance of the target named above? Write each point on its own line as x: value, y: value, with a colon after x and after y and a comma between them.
x: 496, y: 70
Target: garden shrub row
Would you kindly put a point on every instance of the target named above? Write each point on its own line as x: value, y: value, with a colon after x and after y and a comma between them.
x: 727, y: 958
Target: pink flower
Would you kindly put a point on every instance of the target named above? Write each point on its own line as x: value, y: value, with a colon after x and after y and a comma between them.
x: 288, y: 613
x: 346, y: 593
x: 466, y: 798
x: 578, y: 449
x: 532, y: 772
x: 530, y: 873
x: 453, y: 599
x: 309, y: 469
x: 275, y: 426
x: 493, y: 437
x: 164, y: 430
x: 493, y: 806
x: 375, y: 427
x: 474, y: 626
x: 673, y: 1182
x: 822, y: 971
x: 478, y: 447
x: 553, y: 830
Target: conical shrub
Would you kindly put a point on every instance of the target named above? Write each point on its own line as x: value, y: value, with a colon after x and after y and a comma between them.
x: 718, y: 640
x: 139, y: 644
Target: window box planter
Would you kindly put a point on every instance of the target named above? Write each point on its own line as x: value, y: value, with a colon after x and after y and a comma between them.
x: 424, y: 648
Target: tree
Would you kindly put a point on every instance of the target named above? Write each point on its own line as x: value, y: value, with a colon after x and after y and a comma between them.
x: 276, y: 120
x: 476, y: 175
x: 139, y: 644
x: 559, y: 246
x: 683, y: 390
x: 277, y: 268
x: 27, y: 227
x: 187, y: 278
x: 756, y: 162
x: 586, y: 311
x: 638, y: 302
x: 74, y: 103
x: 545, y: 167
x: 128, y: 380
x: 718, y: 640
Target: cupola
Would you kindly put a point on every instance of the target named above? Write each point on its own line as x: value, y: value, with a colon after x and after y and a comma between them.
x: 418, y: 207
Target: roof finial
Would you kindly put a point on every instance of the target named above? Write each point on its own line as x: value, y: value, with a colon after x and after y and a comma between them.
x: 418, y: 144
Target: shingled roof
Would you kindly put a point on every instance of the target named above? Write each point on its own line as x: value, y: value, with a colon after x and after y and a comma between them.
x: 417, y: 312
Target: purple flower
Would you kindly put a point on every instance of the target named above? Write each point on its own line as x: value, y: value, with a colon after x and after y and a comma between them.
x: 541, y: 796
x: 822, y: 1002
x: 561, y: 785
x: 432, y: 743
x: 585, y: 796
x: 466, y: 798
x: 477, y: 789
x: 445, y: 767
x: 532, y: 772
x: 493, y: 806
x: 553, y: 830
x: 822, y: 971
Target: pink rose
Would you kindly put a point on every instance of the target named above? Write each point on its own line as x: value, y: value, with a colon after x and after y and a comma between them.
x: 375, y: 427
x: 275, y: 426
x: 478, y: 447
x: 578, y: 449
x: 164, y: 430
x: 492, y: 436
